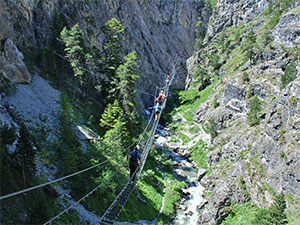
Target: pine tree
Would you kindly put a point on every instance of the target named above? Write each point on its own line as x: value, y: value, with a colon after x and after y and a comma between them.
x: 111, y: 115
x: 277, y: 210
x: 274, y: 215
x: 255, y: 108
x: 249, y: 44
x: 114, y: 33
x: 289, y: 75
x: 124, y: 85
x: 118, y: 135
x: 76, y: 53
x: 25, y: 154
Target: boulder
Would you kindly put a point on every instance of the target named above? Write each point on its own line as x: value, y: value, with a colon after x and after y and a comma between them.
x: 12, y: 66
x: 201, y: 173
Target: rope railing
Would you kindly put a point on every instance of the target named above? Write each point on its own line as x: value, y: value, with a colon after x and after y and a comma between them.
x: 119, y: 202
x: 84, y: 197
x: 73, y: 174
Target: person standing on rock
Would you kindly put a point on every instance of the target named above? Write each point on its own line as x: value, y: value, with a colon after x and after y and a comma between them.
x: 134, y: 158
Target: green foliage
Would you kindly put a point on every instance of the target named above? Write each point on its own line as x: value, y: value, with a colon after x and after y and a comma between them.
x: 199, y: 153
x: 111, y: 115
x: 289, y: 75
x: 274, y: 19
x: 184, y: 138
x: 245, y: 77
x: 294, y: 100
x: 191, y: 99
x: 123, y: 88
x: 25, y: 154
x: 73, y: 39
x: 198, y: 44
x: 114, y: 33
x: 201, y: 76
x: 7, y: 135
x: 241, y: 214
x: 275, y: 215
x: 215, y: 102
x: 194, y: 129
x: 189, y: 95
x: 249, y: 44
x: 250, y: 92
x: 255, y: 108
x: 67, y: 147
x: 210, y: 128
x: 77, y: 53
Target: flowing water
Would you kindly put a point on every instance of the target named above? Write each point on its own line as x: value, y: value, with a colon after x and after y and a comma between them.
x: 187, y: 213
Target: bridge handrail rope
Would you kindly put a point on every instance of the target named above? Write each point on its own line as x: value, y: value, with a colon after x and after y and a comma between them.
x: 92, y: 191
x: 70, y: 175
x: 129, y: 182
x: 108, y: 218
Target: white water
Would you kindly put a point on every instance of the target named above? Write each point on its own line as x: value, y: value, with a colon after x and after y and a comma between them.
x: 191, y: 214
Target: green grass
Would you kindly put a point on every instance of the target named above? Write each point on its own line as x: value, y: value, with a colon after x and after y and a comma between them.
x: 199, y: 153
x: 241, y: 214
x: 135, y: 210
x: 193, y: 100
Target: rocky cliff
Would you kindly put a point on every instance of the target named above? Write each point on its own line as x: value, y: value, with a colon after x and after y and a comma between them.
x: 158, y: 30
x: 251, y: 160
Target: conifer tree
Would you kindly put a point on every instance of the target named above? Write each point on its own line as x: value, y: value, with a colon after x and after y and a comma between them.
x: 274, y: 215
x: 114, y: 35
x: 111, y: 115
x: 249, y: 44
x: 25, y: 154
x: 124, y: 85
x: 289, y: 75
x: 277, y: 210
x: 76, y: 53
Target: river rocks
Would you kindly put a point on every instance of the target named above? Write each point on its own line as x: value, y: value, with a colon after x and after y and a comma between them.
x: 201, y: 173
x: 12, y: 66
x: 202, y: 204
x: 179, y: 174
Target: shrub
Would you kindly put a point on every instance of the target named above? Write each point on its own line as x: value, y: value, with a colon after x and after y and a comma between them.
x: 289, y: 75
x: 255, y: 108
x: 245, y: 77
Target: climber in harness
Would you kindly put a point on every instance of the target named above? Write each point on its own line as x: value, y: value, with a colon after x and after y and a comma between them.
x: 167, y: 81
x: 161, y: 97
x: 134, y: 158
x: 157, y: 109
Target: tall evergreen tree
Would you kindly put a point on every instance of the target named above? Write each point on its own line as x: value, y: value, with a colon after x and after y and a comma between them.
x: 124, y: 88
x: 25, y: 154
x: 111, y: 115
x: 114, y: 35
x: 76, y: 53
x: 274, y: 215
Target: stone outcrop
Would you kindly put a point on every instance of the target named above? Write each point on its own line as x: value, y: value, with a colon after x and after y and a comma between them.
x: 12, y: 66
x: 252, y: 162
x: 287, y: 30
x: 159, y: 31
x: 233, y: 13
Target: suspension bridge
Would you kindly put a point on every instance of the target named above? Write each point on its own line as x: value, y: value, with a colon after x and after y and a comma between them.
x: 145, y: 141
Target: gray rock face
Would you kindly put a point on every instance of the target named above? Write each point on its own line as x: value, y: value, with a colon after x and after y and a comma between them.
x: 250, y: 163
x: 12, y: 66
x: 234, y: 12
x: 158, y: 30
x: 287, y: 31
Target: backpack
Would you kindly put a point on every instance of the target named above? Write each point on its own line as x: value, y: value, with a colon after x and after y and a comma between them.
x: 133, y: 156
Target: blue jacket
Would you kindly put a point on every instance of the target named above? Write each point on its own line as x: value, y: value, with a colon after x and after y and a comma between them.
x: 134, y: 156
